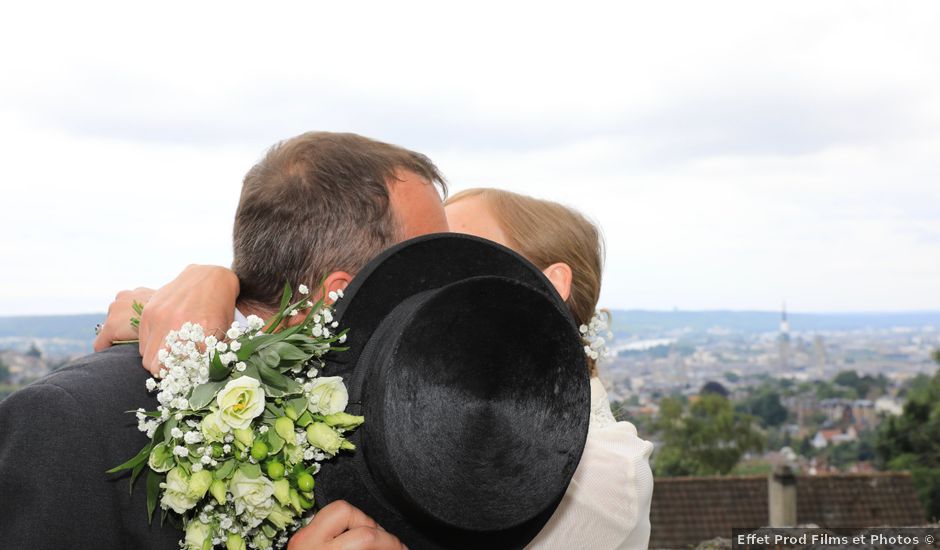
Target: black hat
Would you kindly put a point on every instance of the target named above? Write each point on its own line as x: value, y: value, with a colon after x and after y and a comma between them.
x: 470, y: 372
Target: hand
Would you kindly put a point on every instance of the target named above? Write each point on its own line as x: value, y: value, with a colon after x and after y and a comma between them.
x: 117, y: 326
x: 342, y: 526
x: 203, y: 294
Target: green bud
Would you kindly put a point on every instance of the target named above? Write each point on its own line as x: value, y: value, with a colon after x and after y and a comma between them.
x: 324, y: 437
x: 199, y: 483
x: 216, y: 450
x: 291, y: 413
x: 304, y: 419
x: 219, y: 490
x: 305, y: 503
x: 259, y: 450
x: 280, y: 517
x: 347, y: 445
x: 282, y: 491
x: 305, y: 482
x: 234, y: 542
x: 284, y: 427
x: 245, y: 436
x: 275, y: 470
x: 343, y: 420
x: 295, y: 501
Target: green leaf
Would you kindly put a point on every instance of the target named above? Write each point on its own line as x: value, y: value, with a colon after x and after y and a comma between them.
x: 286, y: 296
x: 298, y: 404
x: 224, y: 470
x: 140, y: 457
x: 274, y: 409
x: 251, y: 471
x: 275, y: 442
x: 167, y: 429
x: 134, y: 473
x: 288, y: 352
x: 218, y: 371
x: 153, y: 492
x: 203, y: 394
x: 269, y: 357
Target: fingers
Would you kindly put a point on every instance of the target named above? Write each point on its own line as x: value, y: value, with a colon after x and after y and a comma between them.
x: 366, y: 538
x: 118, y: 326
x: 340, y: 525
x: 335, y: 518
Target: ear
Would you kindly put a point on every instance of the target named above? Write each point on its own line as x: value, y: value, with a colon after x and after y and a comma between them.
x: 338, y: 280
x: 560, y: 276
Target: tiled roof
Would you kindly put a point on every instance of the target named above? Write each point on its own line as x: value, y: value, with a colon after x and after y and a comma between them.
x: 688, y: 510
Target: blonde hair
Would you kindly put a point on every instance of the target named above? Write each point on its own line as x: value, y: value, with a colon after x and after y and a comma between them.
x: 545, y: 233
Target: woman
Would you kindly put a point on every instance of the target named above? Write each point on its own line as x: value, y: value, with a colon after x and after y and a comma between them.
x: 607, y: 503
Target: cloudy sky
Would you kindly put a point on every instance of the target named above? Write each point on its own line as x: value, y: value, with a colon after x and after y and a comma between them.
x: 736, y: 154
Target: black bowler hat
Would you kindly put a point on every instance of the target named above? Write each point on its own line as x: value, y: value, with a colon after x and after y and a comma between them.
x: 470, y: 372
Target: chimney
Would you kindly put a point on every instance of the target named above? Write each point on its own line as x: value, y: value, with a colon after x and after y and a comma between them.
x: 781, y: 497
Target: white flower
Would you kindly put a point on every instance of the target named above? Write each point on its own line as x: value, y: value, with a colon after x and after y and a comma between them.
x: 328, y: 395
x: 333, y: 295
x: 213, y: 428
x: 228, y: 358
x: 181, y: 451
x: 303, y: 289
x: 241, y: 366
x: 211, y: 341
x: 339, y: 292
x: 221, y: 347
x: 252, y: 497
x: 255, y: 322
x: 342, y: 338
x: 234, y: 332
x: 196, y: 534
x: 151, y: 384
x: 192, y: 437
x: 235, y: 346
x: 176, y: 494
x: 241, y: 401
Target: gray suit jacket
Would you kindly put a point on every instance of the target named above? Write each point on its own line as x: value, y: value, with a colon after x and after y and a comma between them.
x: 58, y: 436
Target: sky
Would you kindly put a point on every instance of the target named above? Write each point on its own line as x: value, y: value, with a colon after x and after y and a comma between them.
x: 735, y: 154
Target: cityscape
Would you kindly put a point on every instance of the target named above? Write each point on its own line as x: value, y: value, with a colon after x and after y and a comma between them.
x: 728, y: 399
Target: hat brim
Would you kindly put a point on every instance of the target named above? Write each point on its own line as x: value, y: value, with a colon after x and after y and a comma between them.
x: 402, y: 272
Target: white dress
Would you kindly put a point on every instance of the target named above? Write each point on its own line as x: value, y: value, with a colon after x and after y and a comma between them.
x: 607, y: 504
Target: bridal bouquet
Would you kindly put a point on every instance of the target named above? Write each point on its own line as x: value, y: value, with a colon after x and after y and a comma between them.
x: 242, y: 424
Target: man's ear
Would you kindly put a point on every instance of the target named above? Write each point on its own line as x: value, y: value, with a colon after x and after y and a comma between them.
x: 560, y: 276
x: 338, y: 280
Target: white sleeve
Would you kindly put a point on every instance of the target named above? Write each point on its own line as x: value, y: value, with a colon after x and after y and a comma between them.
x: 607, y: 504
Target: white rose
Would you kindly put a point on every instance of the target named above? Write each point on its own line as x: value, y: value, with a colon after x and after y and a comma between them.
x: 328, y: 395
x: 252, y: 497
x: 212, y: 427
x: 197, y: 534
x: 240, y: 401
x: 176, y: 492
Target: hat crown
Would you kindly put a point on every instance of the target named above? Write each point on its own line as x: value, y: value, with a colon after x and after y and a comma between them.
x: 490, y: 413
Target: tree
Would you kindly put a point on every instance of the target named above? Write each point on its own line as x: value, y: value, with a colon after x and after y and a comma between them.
x: 707, y: 437
x: 765, y: 404
x: 4, y: 372
x: 911, y: 442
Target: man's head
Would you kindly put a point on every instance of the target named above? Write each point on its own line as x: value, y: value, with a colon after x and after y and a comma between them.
x: 323, y: 204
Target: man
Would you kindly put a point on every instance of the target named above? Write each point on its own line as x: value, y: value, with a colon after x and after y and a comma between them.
x: 345, y: 198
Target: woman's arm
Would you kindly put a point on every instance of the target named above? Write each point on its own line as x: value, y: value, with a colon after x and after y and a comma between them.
x: 203, y: 294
